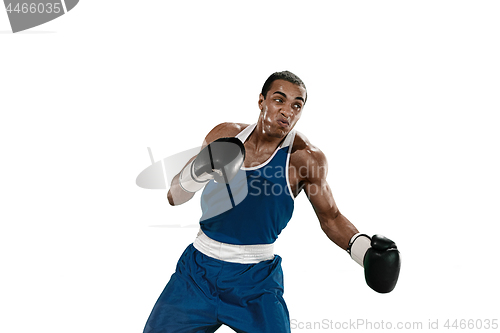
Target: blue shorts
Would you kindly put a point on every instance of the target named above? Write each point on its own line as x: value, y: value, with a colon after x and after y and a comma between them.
x: 205, y: 293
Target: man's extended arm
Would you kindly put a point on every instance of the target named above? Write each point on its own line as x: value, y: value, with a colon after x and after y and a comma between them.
x: 378, y: 255
x: 335, y: 225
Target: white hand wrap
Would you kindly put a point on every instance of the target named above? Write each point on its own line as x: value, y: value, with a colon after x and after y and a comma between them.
x: 358, y: 245
x: 189, y: 183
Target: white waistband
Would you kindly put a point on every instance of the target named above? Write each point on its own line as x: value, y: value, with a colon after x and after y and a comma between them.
x: 241, y: 254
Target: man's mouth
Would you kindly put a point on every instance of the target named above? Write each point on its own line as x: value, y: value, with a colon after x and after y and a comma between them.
x: 283, y: 122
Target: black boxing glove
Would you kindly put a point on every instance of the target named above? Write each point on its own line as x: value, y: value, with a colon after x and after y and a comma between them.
x: 380, y: 258
x: 219, y: 160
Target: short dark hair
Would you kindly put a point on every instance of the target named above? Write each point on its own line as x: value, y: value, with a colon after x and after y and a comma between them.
x: 285, y: 75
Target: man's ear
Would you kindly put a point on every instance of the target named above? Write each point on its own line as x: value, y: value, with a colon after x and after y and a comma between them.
x: 261, y: 100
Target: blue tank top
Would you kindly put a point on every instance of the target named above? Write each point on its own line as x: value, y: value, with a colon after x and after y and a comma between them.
x: 256, y: 205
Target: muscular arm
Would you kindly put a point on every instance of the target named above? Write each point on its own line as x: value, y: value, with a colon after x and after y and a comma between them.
x: 335, y: 225
x: 378, y: 255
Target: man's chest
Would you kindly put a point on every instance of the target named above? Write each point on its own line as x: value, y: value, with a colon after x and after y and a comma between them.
x: 286, y: 166
x: 255, y: 159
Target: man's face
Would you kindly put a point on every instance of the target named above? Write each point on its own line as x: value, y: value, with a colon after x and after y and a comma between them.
x: 282, y: 107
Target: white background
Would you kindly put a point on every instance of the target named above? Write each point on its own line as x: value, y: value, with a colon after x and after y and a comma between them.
x: 403, y: 100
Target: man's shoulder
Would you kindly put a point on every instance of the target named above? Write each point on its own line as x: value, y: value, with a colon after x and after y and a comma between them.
x: 225, y: 130
x: 305, y: 153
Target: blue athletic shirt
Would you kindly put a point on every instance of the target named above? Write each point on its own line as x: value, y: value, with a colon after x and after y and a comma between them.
x: 256, y: 205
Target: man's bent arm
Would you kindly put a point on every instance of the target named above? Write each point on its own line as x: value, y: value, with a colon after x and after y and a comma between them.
x: 176, y: 194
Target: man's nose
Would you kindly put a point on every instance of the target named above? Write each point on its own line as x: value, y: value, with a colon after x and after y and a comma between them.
x: 287, y: 111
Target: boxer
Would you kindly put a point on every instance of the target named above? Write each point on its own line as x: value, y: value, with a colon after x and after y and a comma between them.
x: 250, y: 176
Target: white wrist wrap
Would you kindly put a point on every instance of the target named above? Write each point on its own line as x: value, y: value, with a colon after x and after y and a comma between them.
x: 358, y: 246
x: 187, y: 181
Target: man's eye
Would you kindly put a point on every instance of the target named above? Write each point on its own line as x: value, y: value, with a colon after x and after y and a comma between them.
x: 279, y: 100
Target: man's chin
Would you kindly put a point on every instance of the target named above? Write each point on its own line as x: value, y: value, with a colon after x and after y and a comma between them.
x: 281, y: 131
